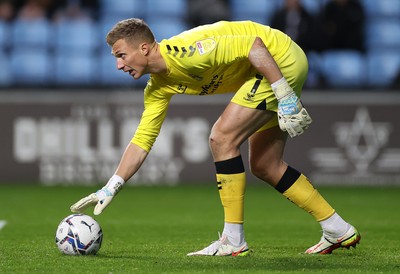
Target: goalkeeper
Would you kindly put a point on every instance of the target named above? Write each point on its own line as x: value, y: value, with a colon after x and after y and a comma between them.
x: 265, y: 70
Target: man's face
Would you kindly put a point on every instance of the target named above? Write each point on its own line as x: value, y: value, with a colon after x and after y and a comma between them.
x: 130, y: 58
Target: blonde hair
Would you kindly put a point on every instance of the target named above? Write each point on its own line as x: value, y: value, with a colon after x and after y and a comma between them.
x: 133, y: 30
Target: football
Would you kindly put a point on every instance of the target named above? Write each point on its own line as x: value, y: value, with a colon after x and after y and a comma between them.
x: 79, y: 234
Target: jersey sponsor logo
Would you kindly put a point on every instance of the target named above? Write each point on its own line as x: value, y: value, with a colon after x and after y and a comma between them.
x: 205, y: 46
x: 210, y: 88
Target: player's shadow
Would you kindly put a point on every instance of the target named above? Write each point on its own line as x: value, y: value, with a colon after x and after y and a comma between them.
x: 255, y: 262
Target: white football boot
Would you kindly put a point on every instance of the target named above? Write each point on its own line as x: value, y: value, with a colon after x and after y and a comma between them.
x: 222, y: 247
x: 327, y: 244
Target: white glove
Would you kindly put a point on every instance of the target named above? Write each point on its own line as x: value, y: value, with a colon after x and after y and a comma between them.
x: 292, y: 116
x: 102, y: 198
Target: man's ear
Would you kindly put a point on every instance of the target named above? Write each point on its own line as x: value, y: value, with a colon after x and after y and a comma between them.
x: 144, y: 48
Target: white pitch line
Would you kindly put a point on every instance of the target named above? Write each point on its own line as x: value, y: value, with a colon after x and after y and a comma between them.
x: 2, y: 223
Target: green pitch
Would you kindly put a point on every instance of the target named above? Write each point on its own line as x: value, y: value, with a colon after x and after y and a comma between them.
x: 150, y: 230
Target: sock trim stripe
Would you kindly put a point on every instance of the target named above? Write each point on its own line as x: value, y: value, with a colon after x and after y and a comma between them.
x: 230, y: 166
x: 288, y: 179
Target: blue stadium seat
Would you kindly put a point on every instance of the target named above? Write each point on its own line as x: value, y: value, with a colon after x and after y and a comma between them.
x: 5, y: 74
x: 381, y: 8
x: 75, y: 69
x: 383, y: 68
x: 383, y: 34
x: 344, y: 69
x: 31, y: 33
x: 314, y: 70
x: 166, y: 28
x: 312, y: 6
x: 260, y: 11
x: 169, y: 8
x: 123, y: 8
x: 4, y: 34
x: 31, y: 66
x: 76, y: 36
x: 105, y: 25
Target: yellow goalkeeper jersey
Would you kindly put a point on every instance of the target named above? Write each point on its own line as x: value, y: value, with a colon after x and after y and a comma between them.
x: 210, y: 59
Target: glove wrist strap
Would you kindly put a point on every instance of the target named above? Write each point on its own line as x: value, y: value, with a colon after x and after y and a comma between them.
x: 115, y: 184
x: 281, y: 88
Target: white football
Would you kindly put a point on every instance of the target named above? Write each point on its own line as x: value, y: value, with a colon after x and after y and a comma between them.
x: 79, y: 234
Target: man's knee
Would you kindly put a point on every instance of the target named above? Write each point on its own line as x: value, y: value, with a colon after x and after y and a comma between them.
x: 214, y: 137
x: 221, y: 141
x: 217, y: 139
x: 269, y: 172
x: 260, y: 170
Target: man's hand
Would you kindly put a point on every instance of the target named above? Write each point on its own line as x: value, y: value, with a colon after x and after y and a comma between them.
x: 102, y: 198
x: 292, y: 116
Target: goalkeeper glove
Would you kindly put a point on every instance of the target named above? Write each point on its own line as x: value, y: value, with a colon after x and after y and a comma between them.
x: 292, y: 116
x: 102, y: 198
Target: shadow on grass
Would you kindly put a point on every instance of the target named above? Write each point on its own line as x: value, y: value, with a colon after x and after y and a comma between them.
x: 342, y: 262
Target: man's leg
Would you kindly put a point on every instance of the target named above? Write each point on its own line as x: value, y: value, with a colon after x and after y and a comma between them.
x: 234, y: 126
x: 266, y: 152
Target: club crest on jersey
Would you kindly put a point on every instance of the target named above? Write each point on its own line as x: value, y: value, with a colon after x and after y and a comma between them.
x: 205, y: 46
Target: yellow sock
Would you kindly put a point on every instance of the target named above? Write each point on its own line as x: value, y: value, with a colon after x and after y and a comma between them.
x: 297, y: 188
x: 231, y: 180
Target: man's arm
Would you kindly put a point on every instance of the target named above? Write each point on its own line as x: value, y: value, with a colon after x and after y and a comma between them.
x: 292, y: 116
x: 131, y: 161
x: 263, y: 61
x: 156, y: 105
